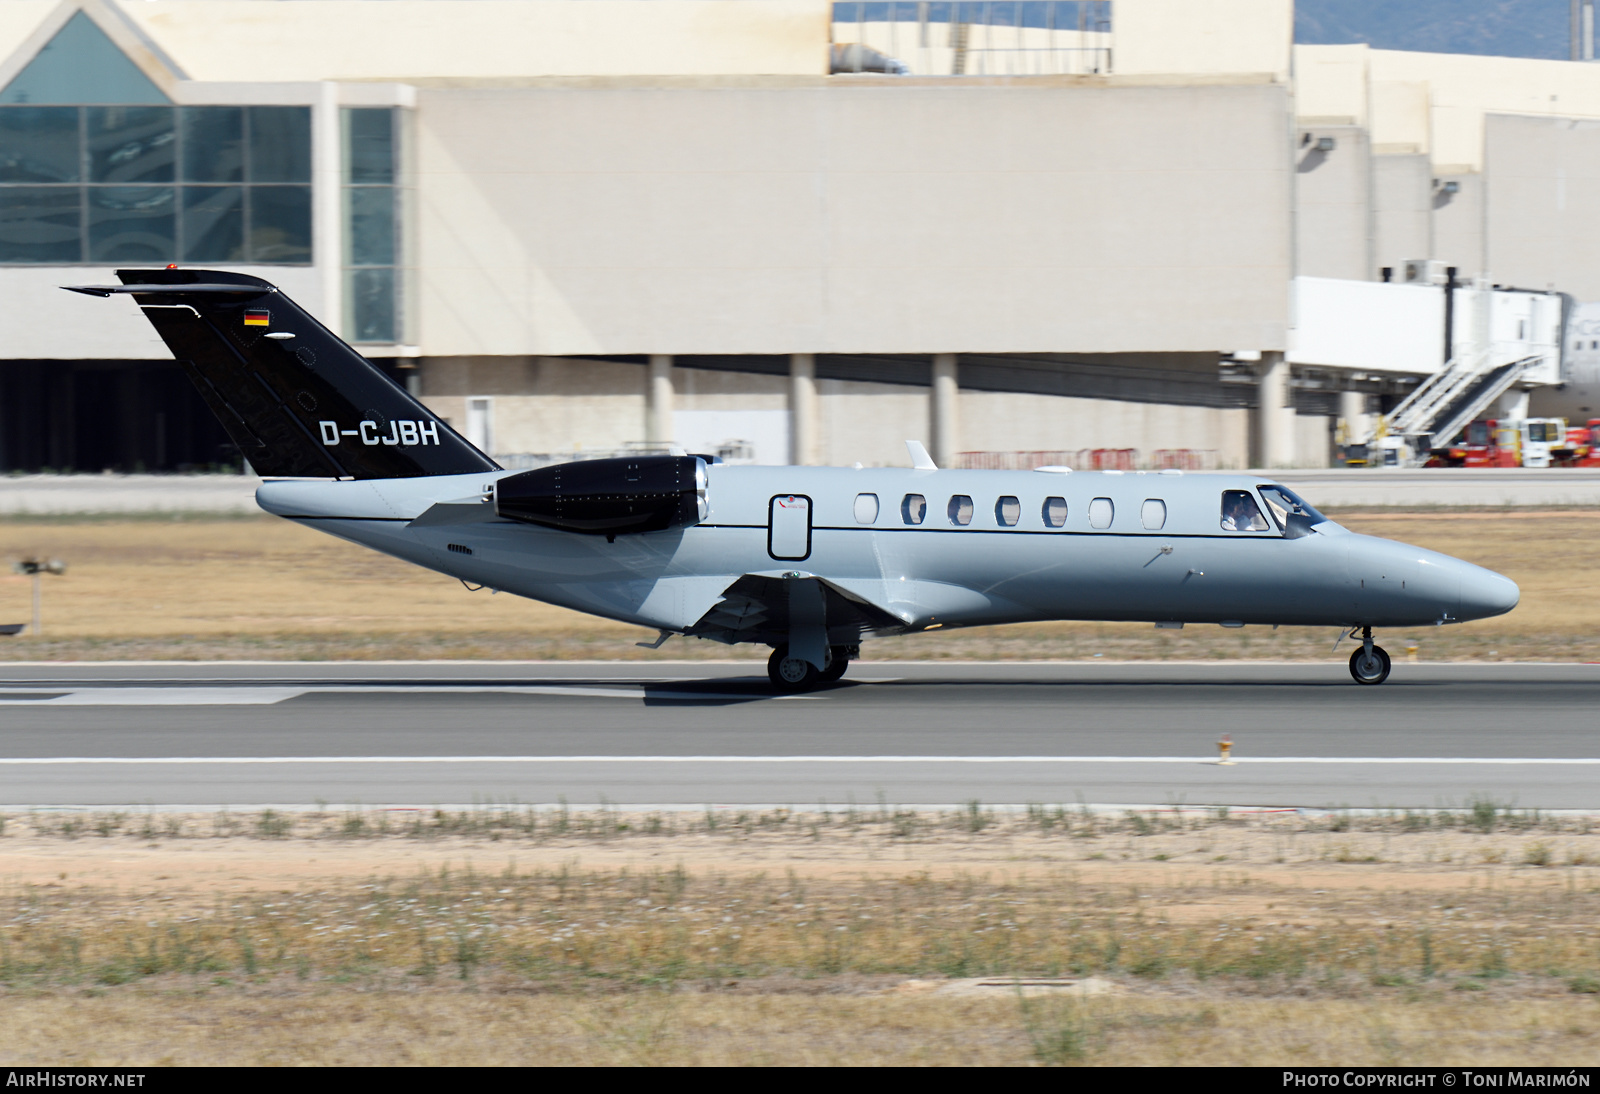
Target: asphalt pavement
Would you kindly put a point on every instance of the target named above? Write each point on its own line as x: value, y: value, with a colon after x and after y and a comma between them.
x: 695, y: 734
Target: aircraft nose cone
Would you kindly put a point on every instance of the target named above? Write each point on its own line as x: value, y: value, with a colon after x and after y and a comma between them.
x: 1485, y: 593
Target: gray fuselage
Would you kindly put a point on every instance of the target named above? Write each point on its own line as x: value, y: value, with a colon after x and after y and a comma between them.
x: 1186, y: 568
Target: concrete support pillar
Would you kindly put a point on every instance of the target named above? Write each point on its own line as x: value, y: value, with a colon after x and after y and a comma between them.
x: 327, y: 204
x: 1353, y: 417
x: 803, y: 424
x: 1274, y: 415
x: 943, y: 423
x: 658, y: 400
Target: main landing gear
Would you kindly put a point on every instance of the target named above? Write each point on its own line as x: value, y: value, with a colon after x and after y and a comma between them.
x: 1369, y: 664
x: 793, y: 674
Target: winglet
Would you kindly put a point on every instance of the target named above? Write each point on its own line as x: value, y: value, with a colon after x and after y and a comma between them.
x: 920, y: 460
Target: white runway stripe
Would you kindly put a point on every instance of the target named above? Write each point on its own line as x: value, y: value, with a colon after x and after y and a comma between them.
x: 1515, y: 761
x: 151, y: 697
x: 157, y: 696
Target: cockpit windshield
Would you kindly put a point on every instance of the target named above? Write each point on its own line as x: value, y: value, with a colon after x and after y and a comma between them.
x: 1281, y: 502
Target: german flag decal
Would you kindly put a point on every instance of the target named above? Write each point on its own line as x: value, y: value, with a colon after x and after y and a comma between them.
x: 257, y: 317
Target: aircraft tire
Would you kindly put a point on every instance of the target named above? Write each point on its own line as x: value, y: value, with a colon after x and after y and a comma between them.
x: 1369, y: 670
x: 790, y: 674
x: 837, y: 664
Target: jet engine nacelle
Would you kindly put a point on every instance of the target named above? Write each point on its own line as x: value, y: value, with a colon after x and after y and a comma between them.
x: 608, y: 497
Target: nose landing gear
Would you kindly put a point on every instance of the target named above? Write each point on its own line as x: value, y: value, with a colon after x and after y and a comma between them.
x: 1369, y: 664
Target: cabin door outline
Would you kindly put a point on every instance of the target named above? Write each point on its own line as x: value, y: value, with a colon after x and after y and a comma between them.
x: 789, y: 527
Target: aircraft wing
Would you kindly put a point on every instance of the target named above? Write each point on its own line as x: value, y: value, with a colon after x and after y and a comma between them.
x: 763, y: 607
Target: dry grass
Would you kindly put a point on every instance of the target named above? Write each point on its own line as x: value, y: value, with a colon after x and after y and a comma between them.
x: 1462, y: 938
x: 263, y: 588
x: 334, y: 1027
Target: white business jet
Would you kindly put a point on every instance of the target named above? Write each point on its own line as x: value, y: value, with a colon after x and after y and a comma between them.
x: 810, y: 561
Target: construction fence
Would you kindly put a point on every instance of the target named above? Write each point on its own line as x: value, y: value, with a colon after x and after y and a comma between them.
x: 1093, y: 459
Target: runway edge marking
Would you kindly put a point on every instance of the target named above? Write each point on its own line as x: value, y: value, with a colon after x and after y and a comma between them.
x: 44, y: 761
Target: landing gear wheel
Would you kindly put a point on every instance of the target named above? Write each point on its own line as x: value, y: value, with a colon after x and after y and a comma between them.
x: 791, y: 674
x: 1369, y: 668
x: 838, y: 662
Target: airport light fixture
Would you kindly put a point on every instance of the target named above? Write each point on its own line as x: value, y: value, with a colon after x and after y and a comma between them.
x: 37, y: 568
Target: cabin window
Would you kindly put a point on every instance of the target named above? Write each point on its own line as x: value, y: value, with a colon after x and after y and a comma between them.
x: 1007, y: 511
x: 1101, y: 512
x: 1240, y: 513
x: 914, y: 509
x: 960, y: 510
x: 1054, y: 512
x: 1153, y: 514
x: 866, y: 508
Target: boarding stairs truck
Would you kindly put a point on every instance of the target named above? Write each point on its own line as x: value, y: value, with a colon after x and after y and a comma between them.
x: 1452, y: 353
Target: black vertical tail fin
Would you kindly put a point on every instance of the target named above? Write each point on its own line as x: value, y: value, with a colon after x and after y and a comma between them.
x: 296, y: 399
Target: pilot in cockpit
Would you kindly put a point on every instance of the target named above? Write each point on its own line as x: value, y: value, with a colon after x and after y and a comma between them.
x: 1240, y: 512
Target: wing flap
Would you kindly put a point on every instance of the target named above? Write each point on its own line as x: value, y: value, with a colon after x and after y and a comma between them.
x: 756, y: 608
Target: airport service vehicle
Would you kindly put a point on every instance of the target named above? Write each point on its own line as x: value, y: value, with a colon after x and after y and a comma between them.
x: 1518, y: 442
x: 810, y: 561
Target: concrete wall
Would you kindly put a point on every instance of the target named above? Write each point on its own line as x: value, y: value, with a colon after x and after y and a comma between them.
x: 1203, y: 36
x: 1330, y: 84
x: 552, y: 405
x: 1543, y: 204
x: 1464, y: 89
x: 1458, y: 224
x: 1436, y: 103
x: 1516, y: 136
x: 542, y: 404
x: 1332, y: 203
x: 68, y: 326
x: 1312, y: 446
x: 1000, y: 421
x: 850, y: 216
x: 1402, y: 211
x: 498, y: 39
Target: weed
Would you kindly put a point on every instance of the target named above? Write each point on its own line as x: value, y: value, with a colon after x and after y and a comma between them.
x: 1060, y: 1028
x: 273, y: 825
x: 1483, y: 813
x: 1493, y: 966
x: 1537, y: 854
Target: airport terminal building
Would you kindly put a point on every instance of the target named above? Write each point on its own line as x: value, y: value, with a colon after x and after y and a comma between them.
x: 783, y: 230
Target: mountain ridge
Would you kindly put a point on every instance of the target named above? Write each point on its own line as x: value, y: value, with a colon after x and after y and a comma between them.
x: 1500, y: 28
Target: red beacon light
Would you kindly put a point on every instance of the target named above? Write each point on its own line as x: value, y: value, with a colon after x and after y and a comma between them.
x: 172, y: 265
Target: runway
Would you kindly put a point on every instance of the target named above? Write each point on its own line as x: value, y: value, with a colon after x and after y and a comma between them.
x: 697, y: 734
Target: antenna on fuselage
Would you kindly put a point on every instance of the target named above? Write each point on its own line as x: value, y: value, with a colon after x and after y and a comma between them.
x: 920, y: 460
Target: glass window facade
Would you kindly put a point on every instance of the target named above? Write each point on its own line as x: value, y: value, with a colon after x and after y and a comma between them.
x: 372, y: 218
x: 107, y: 184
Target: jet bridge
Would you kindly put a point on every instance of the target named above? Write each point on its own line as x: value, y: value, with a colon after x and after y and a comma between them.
x: 1469, y: 346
